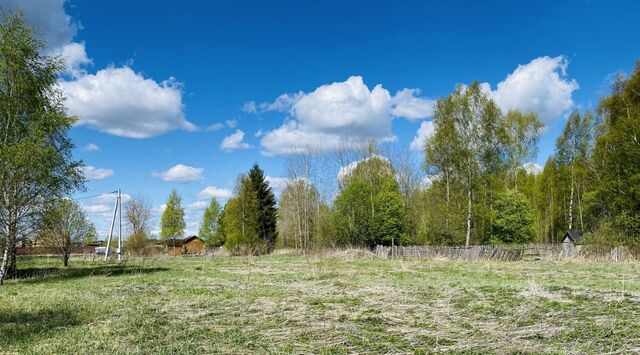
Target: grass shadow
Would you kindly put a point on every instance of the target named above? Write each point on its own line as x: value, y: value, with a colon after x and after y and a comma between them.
x: 20, y: 327
x: 43, y: 275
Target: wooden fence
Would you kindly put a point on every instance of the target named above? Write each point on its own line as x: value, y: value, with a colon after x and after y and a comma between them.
x: 508, y: 253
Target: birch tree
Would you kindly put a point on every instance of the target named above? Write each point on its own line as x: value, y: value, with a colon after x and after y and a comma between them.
x: 35, y: 150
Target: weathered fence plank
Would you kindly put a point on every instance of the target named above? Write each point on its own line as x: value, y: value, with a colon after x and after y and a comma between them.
x: 506, y: 253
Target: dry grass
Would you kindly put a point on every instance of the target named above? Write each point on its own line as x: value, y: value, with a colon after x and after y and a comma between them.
x: 346, y: 301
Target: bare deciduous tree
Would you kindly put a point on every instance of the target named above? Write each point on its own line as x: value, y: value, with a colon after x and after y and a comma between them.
x: 138, y: 215
x: 64, y: 227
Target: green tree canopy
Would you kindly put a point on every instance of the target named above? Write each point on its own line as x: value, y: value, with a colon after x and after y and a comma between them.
x: 210, y: 224
x: 513, y: 220
x: 172, y: 221
x: 369, y: 209
x: 241, y: 222
x: 35, y: 150
x: 63, y: 227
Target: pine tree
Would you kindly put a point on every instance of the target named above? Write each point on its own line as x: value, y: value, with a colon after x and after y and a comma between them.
x: 267, y: 212
x: 172, y: 221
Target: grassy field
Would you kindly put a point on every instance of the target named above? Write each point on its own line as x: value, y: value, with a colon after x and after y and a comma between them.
x: 347, y: 302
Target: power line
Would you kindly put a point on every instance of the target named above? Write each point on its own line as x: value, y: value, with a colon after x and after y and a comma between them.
x: 93, y: 196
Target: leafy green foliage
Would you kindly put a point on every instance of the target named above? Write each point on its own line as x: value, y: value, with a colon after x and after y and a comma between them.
x: 475, y: 153
x: 64, y: 227
x: 210, y: 225
x: 512, y: 220
x: 241, y: 220
x: 36, y: 153
x: 369, y: 210
x: 172, y: 221
x: 137, y: 243
x: 616, y: 155
x: 389, y: 224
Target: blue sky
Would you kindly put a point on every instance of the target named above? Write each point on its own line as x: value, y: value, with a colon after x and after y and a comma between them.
x: 193, y: 85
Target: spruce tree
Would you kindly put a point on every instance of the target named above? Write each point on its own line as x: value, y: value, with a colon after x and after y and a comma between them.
x: 267, y: 212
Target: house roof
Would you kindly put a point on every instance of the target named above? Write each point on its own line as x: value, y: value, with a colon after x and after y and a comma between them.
x: 180, y: 241
x: 575, y: 236
x: 190, y: 238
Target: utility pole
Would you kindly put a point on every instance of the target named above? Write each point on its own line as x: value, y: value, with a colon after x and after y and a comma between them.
x: 113, y: 222
x: 120, y: 225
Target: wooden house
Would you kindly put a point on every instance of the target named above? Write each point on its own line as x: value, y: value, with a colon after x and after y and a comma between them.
x: 189, y: 246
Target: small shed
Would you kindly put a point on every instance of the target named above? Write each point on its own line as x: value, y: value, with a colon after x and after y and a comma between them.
x: 573, y: 237
x: 188, y: 245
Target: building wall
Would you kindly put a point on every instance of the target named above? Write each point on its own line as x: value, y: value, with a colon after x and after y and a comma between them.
x: 195, y: 246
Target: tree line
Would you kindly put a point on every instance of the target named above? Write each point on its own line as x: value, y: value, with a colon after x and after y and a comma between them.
x: 476, y: 190
x: 479, y: 189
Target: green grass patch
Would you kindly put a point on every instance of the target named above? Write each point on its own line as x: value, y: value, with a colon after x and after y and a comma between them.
x: 291, y: 304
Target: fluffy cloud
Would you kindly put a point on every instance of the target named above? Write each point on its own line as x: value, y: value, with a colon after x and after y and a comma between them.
x: 93, y: 173
x: 56, y: 26
x: 181, y: 173
x: 57, y: 29
x: 424, y: 132
x: 406, y: 103
x: 541, y: 86
x: 75, y: 58
x: 231, y: 123
x: 234, y: 141
x: 333, y: 114
x: 214, y: 192
x: 121, y: 102
x: 117, y: 101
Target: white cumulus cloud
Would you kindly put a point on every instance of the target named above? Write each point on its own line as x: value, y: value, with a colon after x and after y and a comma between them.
x: 424, y: 132
x: 121, y: 102
x: 181, y: 173
x: 407, y: 103
x: 56, y: 27
x: 234, y: 141
x: 214, y: 192
x: 541, y: 86
x: 93, y: 173
x: 332, y: 114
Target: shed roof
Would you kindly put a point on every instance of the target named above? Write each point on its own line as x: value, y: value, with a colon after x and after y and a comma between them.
x: 181, y: 241
x: 575, y: 236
